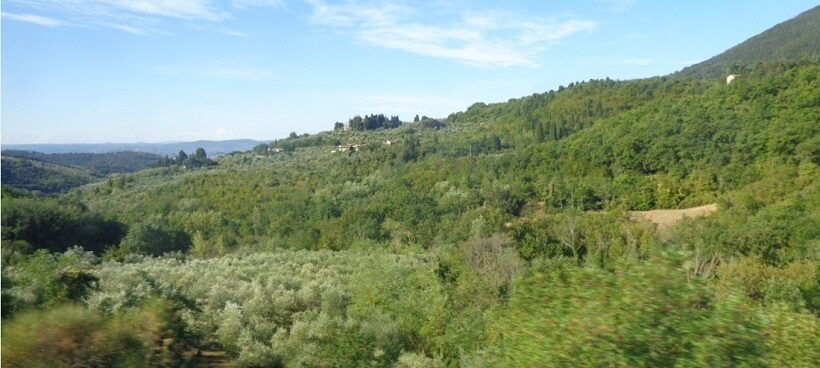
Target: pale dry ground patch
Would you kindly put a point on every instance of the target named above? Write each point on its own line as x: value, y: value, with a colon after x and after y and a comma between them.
x: 667, y: 218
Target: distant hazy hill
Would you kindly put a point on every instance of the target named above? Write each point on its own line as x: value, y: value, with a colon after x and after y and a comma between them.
x: 47, y: 177
x: 213, y: 148
x: 793, y: 39
x: 98, y: 163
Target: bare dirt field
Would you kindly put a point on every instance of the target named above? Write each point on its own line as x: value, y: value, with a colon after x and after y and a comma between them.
x: 667, y: 218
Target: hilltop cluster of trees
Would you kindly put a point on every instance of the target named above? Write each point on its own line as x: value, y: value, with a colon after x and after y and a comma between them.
x: 196, y: 160
x: 370, y: 122
x: 428, y: 122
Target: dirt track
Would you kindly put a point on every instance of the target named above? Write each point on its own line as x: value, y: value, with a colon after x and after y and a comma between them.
x: 667, y: 218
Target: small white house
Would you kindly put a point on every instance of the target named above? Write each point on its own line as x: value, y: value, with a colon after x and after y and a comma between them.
x: 730, y: 78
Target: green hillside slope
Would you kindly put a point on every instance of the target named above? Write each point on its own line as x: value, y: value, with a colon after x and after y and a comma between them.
x: 689, y: 145
x: 43, y: 176
x: 98, y: 163
x: 794, y: 39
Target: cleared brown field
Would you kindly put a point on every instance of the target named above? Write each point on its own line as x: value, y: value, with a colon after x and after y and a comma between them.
x: 667, y: 218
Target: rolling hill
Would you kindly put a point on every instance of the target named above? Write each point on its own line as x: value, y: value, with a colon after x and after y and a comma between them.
x: 46, y: 177
x: 97, y: 163
x: 59, y: 172
x: 794, y: 39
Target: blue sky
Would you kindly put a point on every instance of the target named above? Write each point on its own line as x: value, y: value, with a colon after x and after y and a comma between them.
x: 162, y: 70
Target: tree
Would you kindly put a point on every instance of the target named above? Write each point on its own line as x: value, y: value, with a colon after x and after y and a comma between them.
x: 394, y: 122
x: 200, y: 155
x: 338, y: 126
x: 293, y: 135
x: 153, y: 237
x: 411, y: 149
x: 181, y: 157
x: 261, y: 148
x: 416, y: 119
x: 356, y: 123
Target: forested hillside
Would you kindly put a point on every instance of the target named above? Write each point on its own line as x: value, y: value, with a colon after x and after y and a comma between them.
x: 795, y: 39
x: 693, y: 143
x: 500, y: 236
x: 46, y: 177
x: 52, y: 173
x: 97, y: 163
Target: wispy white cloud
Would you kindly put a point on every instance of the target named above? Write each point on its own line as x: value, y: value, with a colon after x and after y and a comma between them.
x: 125, y: 28
x: 232, y: 32
x: 222, y: 133
x: 132, y: 16
x: 31, y: 18
x: 493, y: 39
x: 244, y: 4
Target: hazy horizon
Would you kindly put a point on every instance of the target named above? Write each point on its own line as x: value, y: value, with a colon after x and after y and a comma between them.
x: 134, y: 142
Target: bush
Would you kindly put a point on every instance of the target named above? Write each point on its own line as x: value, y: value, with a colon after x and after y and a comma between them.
x: 72, y: 336
x: 641, y: 314
x: 152, y: 237
x: 68, y: 336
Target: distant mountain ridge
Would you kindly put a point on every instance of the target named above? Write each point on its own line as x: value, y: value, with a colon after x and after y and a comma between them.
x: 795, y: 39
x: 213, y: 148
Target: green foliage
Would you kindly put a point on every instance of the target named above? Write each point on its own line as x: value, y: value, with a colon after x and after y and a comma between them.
x: 45, y: 279
x: 304, y: 308
x: 59, y: 172
x: 46, y: 177
x: 636, y: 145
x: 196, y: 160
x: 96, y: 163
x: 67, y: 337
x: 640, y: 314
x: 31, y: 223
x: 72, y: 336
x: 373, y: 122
x: 155, y: 237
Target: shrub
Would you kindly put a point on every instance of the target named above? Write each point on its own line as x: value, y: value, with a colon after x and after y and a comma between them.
x: 72, y: 336
x: 640, y: 314
x: 68, y: 336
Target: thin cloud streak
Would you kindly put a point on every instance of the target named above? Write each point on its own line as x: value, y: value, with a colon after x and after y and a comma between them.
x: 33, y: 19
x: 490, y: 40
x: 133, y: 16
